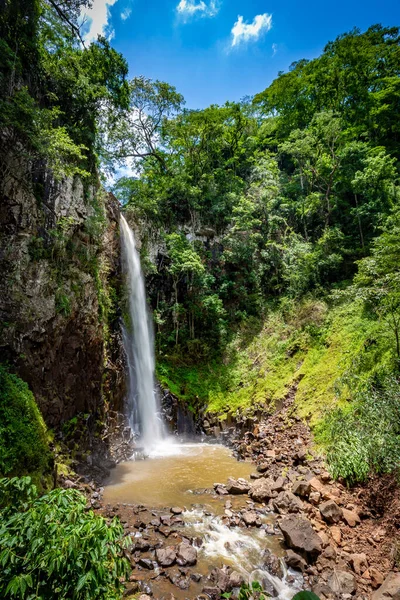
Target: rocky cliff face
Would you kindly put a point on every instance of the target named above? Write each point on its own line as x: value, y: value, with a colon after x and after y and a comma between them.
x: 59, y: 288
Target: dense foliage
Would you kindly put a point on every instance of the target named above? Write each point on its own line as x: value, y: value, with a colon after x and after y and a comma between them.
x: 23, y: 438
x: 279, y: 196
x: 53, y: 547
x: 56, y: 96
x: 289, y: 198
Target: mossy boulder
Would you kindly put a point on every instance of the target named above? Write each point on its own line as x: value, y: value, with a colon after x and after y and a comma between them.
x: 24, y: 445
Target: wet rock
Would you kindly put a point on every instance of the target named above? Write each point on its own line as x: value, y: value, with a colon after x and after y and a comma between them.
x: 359, y: 563
x: 272, y: 564
x: 262, y: 490
x: 145, y: 563
x: 342, y: 582
x: 220, y: 578
x: 141, y: 545
x: 331, y: 512
x: 176, y: 510
x: 144, y: 597
x: 237, y: 486
x: 250, y: 518
x: 301, y: 488
x: 322, y: 590
x: 235, y: 580
x: 220, y: 489
x: 197, y: 577
x: 186, y: 555
x: 389, y: 589
x: 166, y: 520
x: 166, y: 557
x: 212, y: 592
x: 350, y: 517
x: 300, y: 535
x: 286, y: 502
x: 263, y: 467
x: 295, y: 561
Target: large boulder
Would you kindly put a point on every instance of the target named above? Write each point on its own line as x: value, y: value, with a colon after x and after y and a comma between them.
x: 389, y: 589
x: 166, y: 557
x: 237, y: 486
x: 186, y: 555
x: 286, y: 502
x: 300, y: 535
x: 342, y: 582
x: 331, y: 512
x: 262, y: 490
x: 302, y: 488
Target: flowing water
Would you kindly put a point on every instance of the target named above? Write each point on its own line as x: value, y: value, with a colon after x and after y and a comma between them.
x: 142, y: 406
x: 183, y: 475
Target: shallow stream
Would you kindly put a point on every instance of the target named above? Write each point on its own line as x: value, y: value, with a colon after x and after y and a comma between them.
x: 183, y: 475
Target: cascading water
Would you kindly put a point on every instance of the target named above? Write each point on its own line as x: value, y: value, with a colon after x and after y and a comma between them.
x: 142, y: 405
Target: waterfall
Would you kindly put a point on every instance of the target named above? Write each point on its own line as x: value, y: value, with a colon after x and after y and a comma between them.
x: 142, y: 405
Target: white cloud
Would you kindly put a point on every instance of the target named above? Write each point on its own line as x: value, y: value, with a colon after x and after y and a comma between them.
x: 126, y: 13
x: 189, y: 8
x: 96, y: 20
x: 274, y: 49
x: 244, y: 32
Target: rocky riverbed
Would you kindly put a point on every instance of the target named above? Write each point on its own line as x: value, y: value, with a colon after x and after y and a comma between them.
x: 306, y: 531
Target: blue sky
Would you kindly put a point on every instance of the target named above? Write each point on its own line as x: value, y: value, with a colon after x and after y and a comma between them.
x: 218, y: 50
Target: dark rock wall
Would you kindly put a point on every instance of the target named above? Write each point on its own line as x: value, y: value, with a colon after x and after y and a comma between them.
x: 59, y: 267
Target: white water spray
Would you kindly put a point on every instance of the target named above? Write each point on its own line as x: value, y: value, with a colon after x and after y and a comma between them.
x: 143, y: 409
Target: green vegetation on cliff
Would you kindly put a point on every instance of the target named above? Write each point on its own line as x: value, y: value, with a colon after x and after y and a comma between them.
x: 24, y: 447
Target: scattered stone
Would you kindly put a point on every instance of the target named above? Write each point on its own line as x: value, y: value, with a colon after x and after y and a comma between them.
x: 376, y: 577
x: 237, y: 486
x: 166, y: 557
x: 263, y: 467
x: 315, y: 498
x: 342, y: 582
x: 286, y: 502
x: 329, y: 553
x: 301, y: 488
x: 261, y: 490
x: 176, y: 510
x: 295, y: 561
x: 220, y: 578
x: 146, y: 563
x: 336, y: 534
x: 186, y: 555
x: 300, y: 535
x: 359, y: 563
x: 272, y: 564
x: 278, y: 484
x: 250, y: 518
x: 389, y: 589
x: 331, y: 512
x: 235, y: 580
x: 350, y: 517
x: 220, y: 489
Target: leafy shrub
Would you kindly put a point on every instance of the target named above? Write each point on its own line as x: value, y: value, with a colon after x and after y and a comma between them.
x: 53, y: 547
x: 365, y: 436
x: 23, y: 438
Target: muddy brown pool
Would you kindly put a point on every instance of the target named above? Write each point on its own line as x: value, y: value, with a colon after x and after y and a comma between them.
x: 174, y: 474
